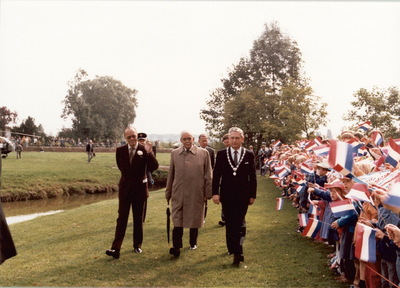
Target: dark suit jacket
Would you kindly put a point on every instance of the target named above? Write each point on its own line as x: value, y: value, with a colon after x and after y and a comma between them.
x: 212, y: 156
x: 88, y: 148
x: 234, y: 189
x: 133, y: 176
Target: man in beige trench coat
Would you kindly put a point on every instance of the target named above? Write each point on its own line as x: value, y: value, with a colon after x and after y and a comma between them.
x: 189, y: 184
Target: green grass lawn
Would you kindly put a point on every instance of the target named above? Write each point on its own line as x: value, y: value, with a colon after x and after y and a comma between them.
x: 68, y: 249
x: 41, y: 175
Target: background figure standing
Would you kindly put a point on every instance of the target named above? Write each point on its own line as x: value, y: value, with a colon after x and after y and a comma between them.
x: 203, y: 141
x: 188, y: 187
x: 235, y: 185
x: 133, y: 160
x: 18, y: 149
x: 90, y: 150
x: 262, y: 155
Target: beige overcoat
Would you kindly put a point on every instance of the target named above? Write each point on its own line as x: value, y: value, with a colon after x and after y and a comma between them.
x: 189, y: 183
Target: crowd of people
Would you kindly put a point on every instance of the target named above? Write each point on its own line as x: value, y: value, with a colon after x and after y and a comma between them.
x: 304, y: 175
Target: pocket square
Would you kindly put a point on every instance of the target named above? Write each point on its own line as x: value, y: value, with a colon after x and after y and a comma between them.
x: 246, y: 162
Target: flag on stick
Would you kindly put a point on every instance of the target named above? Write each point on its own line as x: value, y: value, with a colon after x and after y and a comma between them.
x: 359, y: 192
x: 312, y: 228
x: 279, y: 203
x: 365, y: 126
x: 341, y: 157
x: 393, y: 156
x: 303, y: 219
x: 365, y: 243
x: 342, y: 208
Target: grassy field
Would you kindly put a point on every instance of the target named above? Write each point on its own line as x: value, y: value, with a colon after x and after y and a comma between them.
x: 41, y: 175
x: 68, y: 249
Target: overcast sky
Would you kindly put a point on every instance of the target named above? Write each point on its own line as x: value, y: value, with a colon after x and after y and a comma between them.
x: 175, y: 53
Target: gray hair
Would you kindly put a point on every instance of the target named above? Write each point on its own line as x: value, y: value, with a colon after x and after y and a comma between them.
x: 236, y: 129
x: 186, y: 131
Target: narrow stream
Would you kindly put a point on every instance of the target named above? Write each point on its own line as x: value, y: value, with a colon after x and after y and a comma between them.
x: 20, y: 211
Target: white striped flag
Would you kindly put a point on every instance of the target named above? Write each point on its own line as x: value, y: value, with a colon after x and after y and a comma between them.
x: 359, y: 192
x: 341, y: 157
x: 299, y: 176
x: 342, y: 208
x: 365, y: 243
x: 377, y: 138
x: 279, y: 203
x: 355, y: 144
x: 299, y: 188
x: 393, y: 156
x: 394, y: 196
x: 322, y: 150
x: 312, y: 228
x: 277, y: 143
x: 303, y: 219
x: 306, y: 169
x: 365, y: 126
x: 318, y: 141
x: 282, y: 173
x: 311, y: 145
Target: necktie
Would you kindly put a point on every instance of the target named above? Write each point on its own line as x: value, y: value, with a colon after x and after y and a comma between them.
x: 131, y: 153
x: 235, y: 158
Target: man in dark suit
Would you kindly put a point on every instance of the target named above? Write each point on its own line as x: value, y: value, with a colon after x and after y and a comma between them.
x: 203, y: 141
x: 89, y: 150
x: 235, y: 186
x: 133, y: 160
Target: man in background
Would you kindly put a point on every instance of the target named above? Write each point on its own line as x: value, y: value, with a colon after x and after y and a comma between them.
x: 90, y: 151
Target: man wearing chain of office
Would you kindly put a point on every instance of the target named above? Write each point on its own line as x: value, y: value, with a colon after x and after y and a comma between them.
x: 235, y: 186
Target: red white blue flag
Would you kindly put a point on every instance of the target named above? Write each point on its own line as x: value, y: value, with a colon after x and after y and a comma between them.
x: 303, y: 219
x: 377, y: 138
x: 306, y: 169
x: 311, y: 145
x: 282, y: 173
x: 355, y: 144
x: 359, y: 192
x: 365, y: 243
x: 322, y: 150
x: 393, y: 156
x: 341, y: 157
x: 277, y: 143
x: 342, y: 208
x: 279, y: 203
x: 312, y: 228
x: 365, y: 126
x: 394, y: 196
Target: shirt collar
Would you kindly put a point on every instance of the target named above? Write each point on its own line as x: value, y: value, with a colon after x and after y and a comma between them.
x: 129, y: 146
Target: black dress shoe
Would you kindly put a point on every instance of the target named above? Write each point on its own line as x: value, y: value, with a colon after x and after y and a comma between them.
x: 237, y: 259
x: 175, y: 251
x: 113, y: 252
x: 222, y: 223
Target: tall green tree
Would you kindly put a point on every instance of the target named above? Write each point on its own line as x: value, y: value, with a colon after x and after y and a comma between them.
x: 6, y: 117
x: 265, y: 94
x: 99, y: 108
x: 29, y: 127
x: 380, y: 106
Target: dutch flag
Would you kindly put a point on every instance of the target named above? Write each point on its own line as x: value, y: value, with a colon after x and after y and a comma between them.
x: 365, y: 243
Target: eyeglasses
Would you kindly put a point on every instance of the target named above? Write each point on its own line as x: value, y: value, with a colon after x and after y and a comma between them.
x: 131, y: 136
x: 187, y: 139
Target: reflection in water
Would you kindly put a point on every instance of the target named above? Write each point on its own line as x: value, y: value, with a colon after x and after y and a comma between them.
x: 60, y: 203
x: 17, y: 219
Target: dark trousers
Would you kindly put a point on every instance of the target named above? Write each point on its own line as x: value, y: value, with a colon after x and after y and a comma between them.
x: 177, y: 234
x: 235, y: 224
x: 138, y: 209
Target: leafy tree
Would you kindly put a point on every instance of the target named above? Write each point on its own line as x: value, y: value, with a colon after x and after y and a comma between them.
x: 380, y: 106
x: 28, y: 127
x: 6, y: 117
x: 99, y: 108
x: 265, y: 94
